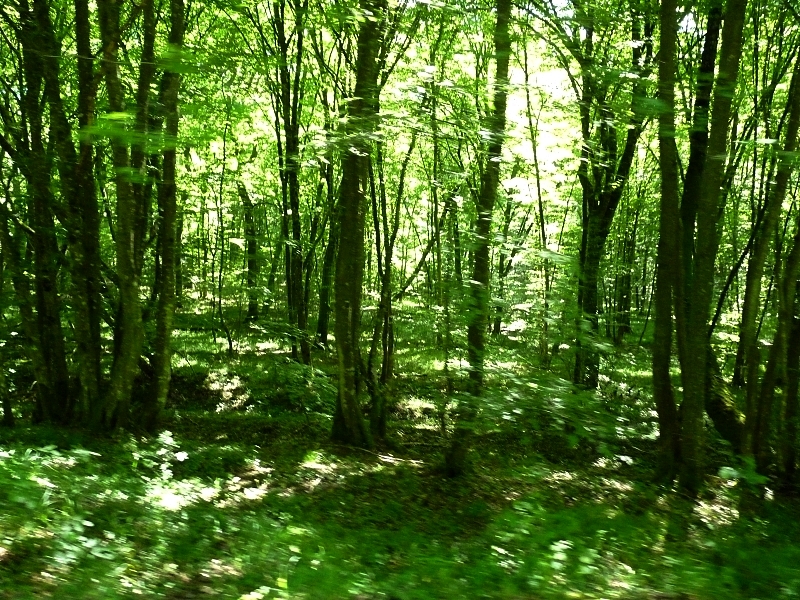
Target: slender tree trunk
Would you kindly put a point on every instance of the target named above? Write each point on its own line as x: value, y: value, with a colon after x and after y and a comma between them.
x: 382, y: 332
x: 623, y: 282
x: 288, y: 99
x: 478, y: 316
x: 252, y: 253
x: 326, y: 279
x: 755, y: 270
x: 53, y: 398
x: 790, y: 440
x: 168, y: 207
x: 701, y: 281
x: 25, y: 298
x: 763, y: 417
x: 179, y: 253
x: 587, y: 363
x: 363, y: 108
x: 698, y: 138
x: 668, y: 250
x: 5, y: 399
x: 603, y: 173
x: 129, y: 325
x: 76, y: 180
x: 329, y: 257
x: 533, y: 132
x: 503, y: 267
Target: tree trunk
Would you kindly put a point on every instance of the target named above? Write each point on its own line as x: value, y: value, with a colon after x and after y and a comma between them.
x: 76, y: 179
x: 252, y: 253
x: 790, y: 440
x: 701, y: 281
x: 54, y: 402
x: 348, y: 425
x: 587, y: 362
x: 5, y: 399
x: 603, y: 174
x: 478, y: 314
x: 167, y: 203
x: 10, y: 246
x: 288, y: 98
x: 326, y: 278
x: 129, y: 325
x: 698, y: 137
x: 329, y: 257
x: 179, y: 253
x: 761, y: 246
x: 668, y: 251
x: 762, y: 417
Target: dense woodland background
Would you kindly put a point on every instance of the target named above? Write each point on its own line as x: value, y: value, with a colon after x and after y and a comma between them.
x: 488, y: 299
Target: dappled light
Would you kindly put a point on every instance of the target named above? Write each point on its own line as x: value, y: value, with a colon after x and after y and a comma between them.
x: 399, y: 300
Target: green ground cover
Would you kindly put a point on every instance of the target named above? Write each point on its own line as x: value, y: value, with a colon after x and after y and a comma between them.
x: 244, y: 496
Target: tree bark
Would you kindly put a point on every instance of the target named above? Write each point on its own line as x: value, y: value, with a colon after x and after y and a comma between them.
x: 755, y: 270
x: 115, y: 412
x: 478, y: 312
x: 251, y: 240
x: 698, y: 137
x: 329, y: 257
x: 167, y: 203
x: 348, y: 425
x: 668, y: 250
x: 790, y: 440
x: 81, y: 216
x: 179, y: 253
x: 603, y: 174
x: 701, y: 282
x: 54, y: 401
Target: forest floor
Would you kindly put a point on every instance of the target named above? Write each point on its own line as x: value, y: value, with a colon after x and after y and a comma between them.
x: 244, y: 496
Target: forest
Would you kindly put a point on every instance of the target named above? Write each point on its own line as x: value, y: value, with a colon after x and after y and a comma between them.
x: 401, y: 299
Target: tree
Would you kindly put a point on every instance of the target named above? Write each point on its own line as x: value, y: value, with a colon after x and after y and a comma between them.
x: 692, y: 283
x: 362, y: 113
x: 479, y: 306
x: 168, y: 230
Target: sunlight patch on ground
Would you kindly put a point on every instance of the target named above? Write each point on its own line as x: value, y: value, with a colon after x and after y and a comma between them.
x: 388, y: 458
x: 184, y: 361
x: 218, y: 568
x: 504, y: 365
x: 256, y: 468
x: 316, y: 460
x: 612, y: 463
x: 239, y: 490
x: 174, y: 495
x: 266, y: 347
x: 418, y: 407
x: 617, y: 485
x: 717, y: 512
x: 230, y: 388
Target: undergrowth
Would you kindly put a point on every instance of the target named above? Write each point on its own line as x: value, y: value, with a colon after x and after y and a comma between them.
x: 243, y: 496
